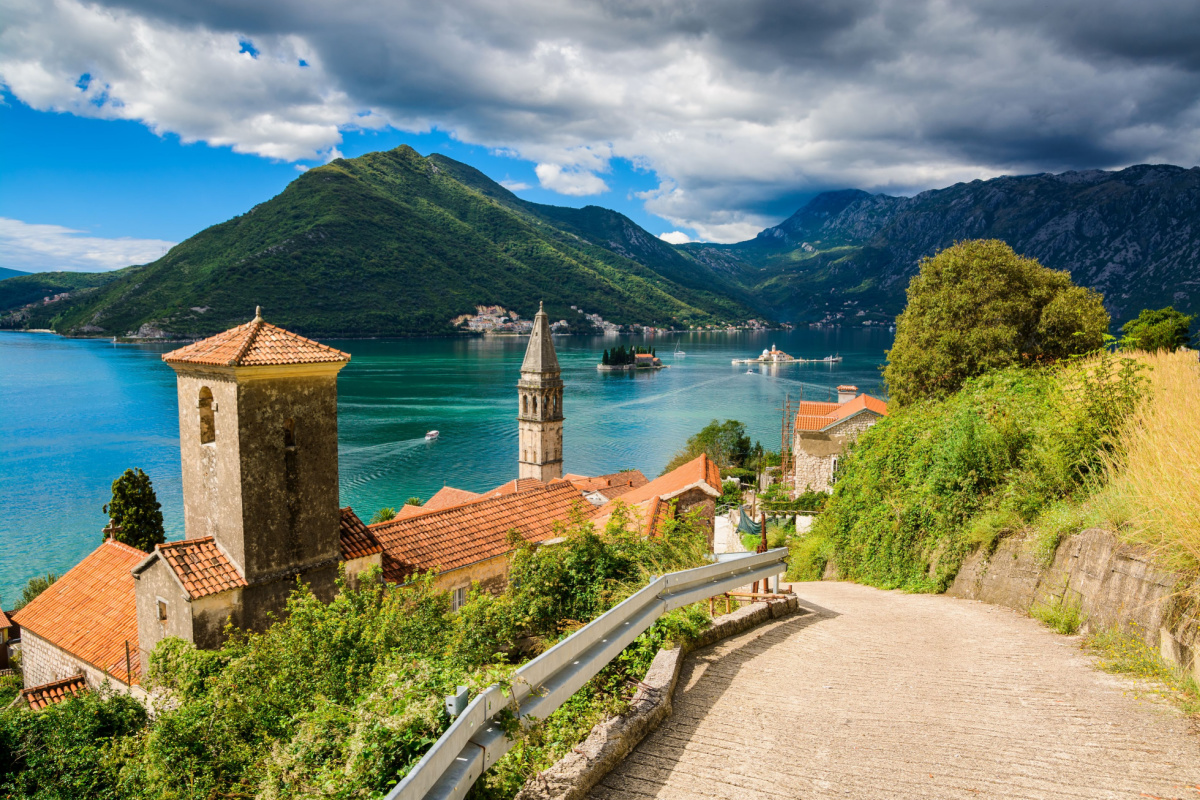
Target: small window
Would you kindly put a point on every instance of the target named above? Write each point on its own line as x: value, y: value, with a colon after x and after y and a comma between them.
x: 458, y: 599
x: 833, y: 471
x: 162, y: 610
x: 208, y: 422
x: 535, y: 405
x: 289, y: 434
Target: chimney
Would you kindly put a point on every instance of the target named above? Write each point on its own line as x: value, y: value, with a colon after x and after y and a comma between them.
x: 847, y: 393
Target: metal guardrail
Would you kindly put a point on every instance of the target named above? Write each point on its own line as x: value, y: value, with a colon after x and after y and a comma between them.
x: 474, y: 741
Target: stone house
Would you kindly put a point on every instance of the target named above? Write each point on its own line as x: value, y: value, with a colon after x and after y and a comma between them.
x: 822, y: 431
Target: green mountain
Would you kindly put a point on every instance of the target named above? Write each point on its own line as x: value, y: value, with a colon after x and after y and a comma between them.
x: 847, y: 256
x: 396, y: 244
x: 5, y: 273
x: 29, y: 299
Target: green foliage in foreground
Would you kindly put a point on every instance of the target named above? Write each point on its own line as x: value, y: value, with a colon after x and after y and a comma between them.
x: 340, y: 699
x: 1001, y: 452
x: 1161, y: 329
x: 978, y: 306
x: 136, y: 511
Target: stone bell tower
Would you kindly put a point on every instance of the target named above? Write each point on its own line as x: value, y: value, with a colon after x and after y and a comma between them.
x: 540, y: 393
x: 258, y: 444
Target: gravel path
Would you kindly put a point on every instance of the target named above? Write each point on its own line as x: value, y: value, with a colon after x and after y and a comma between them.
x: 887, y: 695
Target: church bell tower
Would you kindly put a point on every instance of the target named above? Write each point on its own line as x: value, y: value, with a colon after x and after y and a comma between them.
x: 540, y: 416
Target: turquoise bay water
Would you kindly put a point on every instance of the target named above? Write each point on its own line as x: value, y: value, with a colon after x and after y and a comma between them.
x: 75, y: 413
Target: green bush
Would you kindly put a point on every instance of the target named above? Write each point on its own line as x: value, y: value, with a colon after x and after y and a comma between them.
x: 808, y: 556
x: 936, y: 479
x: 1161, y: 329
x: 1062, y: 616
x: 978, y: 306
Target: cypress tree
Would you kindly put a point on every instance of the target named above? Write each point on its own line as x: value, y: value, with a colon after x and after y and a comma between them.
x: 136, y: 511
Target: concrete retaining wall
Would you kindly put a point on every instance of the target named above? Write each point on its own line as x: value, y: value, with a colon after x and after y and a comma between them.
x: 1115, y: 585
x: 574, y: 775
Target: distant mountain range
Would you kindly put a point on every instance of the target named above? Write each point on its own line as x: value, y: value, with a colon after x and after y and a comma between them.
x: 396, y: 244
x: 1133, y: 235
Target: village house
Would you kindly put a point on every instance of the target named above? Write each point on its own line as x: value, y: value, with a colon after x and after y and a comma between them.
x: 257, y: 410
x: 822, y: 431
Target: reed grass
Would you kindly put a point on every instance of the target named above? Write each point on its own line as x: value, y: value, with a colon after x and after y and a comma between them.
x: 1151, y: 495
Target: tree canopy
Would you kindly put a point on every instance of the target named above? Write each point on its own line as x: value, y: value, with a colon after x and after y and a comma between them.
x: 1161, y: 329
x: 726, y: 443
x: 978, y: 306
x: 136, y: 511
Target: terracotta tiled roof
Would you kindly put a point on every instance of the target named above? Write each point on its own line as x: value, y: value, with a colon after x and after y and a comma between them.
x: 356, y: 539
x: 448, y: 496
x: 201, y: 567
x: 610, y: 485
x: 4, y: 623
x: 516, y: 486
x: 700, y: 471
x: 816, y: 416
x: 254, y: 344
x: 462, y: 535
x: 91, y: 612
x: 38, y: 697
x: 405, y: 511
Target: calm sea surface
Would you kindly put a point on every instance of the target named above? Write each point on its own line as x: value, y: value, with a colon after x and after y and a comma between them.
x: 75, y: 413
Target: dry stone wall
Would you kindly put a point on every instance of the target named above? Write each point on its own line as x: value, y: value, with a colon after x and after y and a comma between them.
x: 1115, y: 586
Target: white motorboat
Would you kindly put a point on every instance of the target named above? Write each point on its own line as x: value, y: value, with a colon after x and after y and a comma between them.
x: 429, y: 437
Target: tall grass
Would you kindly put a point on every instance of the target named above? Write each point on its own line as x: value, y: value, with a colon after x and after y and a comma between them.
x: 1152, y: 492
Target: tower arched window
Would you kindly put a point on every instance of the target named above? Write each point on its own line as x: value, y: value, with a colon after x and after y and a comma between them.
x: 208, y: 422
x: 289, y: 434
x: 535, y: 405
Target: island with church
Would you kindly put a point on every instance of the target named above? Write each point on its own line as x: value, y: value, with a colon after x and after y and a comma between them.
x: 635, y: 357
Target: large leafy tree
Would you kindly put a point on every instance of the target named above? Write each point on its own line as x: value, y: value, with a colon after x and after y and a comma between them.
x: 1161, y: 329
x: 136, y: 511
x: 978, y: 306
x: 726, y: 443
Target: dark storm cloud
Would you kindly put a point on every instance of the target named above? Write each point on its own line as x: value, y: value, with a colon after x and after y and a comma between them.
x: 741, y: 108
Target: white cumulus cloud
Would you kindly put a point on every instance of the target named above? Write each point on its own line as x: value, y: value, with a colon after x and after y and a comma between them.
x: 573, y: 182
x: 46, y: 248
x: 515, y: 186
x: 675, y: 237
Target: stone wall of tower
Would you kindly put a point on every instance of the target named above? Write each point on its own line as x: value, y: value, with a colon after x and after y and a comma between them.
x: 263, y: 480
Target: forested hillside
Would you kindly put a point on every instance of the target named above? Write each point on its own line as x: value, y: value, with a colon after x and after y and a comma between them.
x: 392, y: 244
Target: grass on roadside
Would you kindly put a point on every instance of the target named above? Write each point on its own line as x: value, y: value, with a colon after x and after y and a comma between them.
x: 1124, y: 653
x: 1059, y: 614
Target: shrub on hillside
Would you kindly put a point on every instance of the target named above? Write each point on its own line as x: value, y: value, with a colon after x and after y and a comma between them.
x: 978, y: 306
x: 726, y: 443
x: 1154, y: 330
x: 924, y: 486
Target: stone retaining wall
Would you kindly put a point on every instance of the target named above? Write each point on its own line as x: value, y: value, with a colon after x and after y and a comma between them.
x: 1115, y: 585
x: 574, y: 775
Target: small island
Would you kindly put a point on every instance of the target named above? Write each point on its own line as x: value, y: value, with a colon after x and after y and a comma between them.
x: 633, y: 358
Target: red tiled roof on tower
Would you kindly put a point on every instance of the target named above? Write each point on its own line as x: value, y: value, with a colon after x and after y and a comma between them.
x: 91, y: 612
x: 817, y: 416
x: 255, y: 344
x: 201, y: 567
x: 47, y: 694
x: 356, y: 539
x: 476, y: 531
